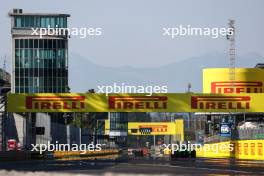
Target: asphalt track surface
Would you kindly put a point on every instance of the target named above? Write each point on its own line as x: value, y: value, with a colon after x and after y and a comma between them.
x: 180, y: 166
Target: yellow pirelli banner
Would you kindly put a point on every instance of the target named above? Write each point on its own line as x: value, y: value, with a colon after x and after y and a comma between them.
x: 175, y: 128
x: 170, y: 102
x: 247, y: 80
x: 157, y: 128
x: 151, y: 128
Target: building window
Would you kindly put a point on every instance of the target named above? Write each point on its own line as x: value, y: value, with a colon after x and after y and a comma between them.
x: 36, y: 43
x: 45, y: 43
x: 31, y: 21
x: 41, y: 43
x: 26, y: 43
x: 17, y: 82
x: 26, y: 21
x: 21, y: 43
x: 18, y: 21
x: 16, y: 43
x: 52, y: 22
x: 43, y: 22
x: 36, y: 82
x: 62, y: 22
x: 30, y: 43
x: 47, y: 22
x: 37, y: 21
x: 40, y: 69
x: 22, y: 21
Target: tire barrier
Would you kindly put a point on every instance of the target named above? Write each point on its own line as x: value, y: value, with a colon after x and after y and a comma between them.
x: 138, y: 153
x: 183, y: 154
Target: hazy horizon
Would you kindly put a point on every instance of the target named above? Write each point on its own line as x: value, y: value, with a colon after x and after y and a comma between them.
x: 132, y: 31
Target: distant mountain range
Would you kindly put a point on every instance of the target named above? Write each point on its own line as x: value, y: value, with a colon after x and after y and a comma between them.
x: 84, y: 74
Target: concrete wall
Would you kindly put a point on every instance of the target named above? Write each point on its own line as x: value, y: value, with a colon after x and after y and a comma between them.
x: 43, y: 120
x: 16, y: 128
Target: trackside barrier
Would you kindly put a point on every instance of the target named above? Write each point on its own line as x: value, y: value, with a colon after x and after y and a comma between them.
x: 15, y: 156
x: 27, y: 155
x: 249, y: 149
x: 20, y: 156
x: 215, y: 150
x: 242, y: 149
x: 183, y: 154
x: 106, y: 153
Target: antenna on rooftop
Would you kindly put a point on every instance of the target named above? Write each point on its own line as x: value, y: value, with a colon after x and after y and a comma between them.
x: 232, y: 54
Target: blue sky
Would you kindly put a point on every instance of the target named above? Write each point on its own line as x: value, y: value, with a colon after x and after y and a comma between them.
x: 132, y: 30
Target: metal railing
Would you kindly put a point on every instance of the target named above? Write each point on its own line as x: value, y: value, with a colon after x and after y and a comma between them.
x: 238, y: 134
x: 249, y: 133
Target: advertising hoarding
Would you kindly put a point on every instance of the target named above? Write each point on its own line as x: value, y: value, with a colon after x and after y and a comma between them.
x: 247, y: 80
x: 170, y: 102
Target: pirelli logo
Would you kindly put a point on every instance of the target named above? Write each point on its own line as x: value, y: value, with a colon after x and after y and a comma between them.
x: 137, y: 102
x: 155, y: 128
x: 220, y: 102
x: 55, y: 102
x: 237, y: 87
